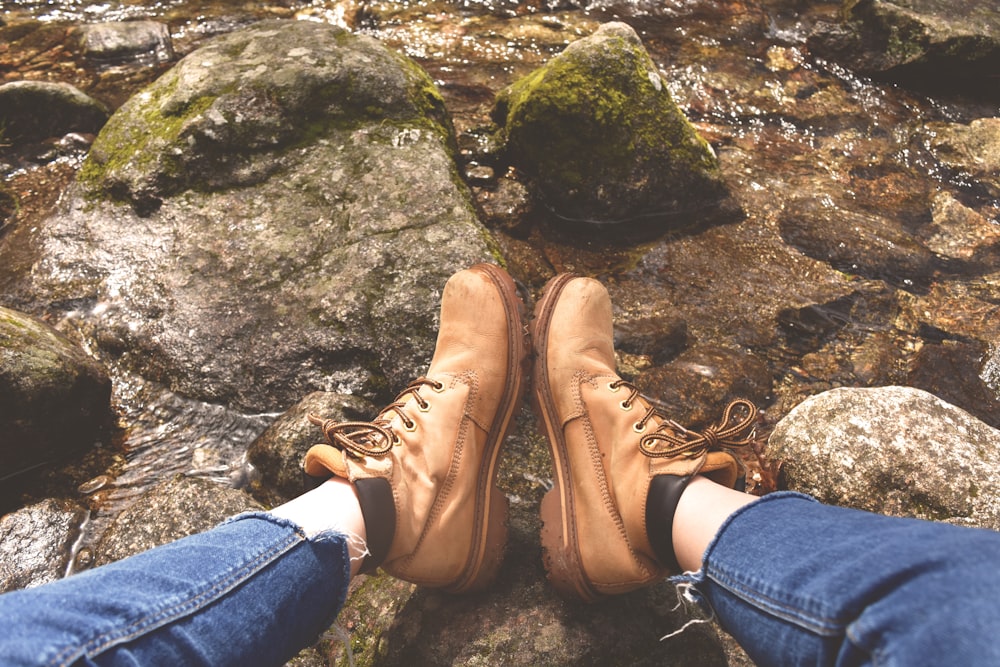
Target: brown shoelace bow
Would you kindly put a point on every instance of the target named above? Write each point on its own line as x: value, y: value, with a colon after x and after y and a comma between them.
x: 375, y: 438
x: 672, y: 439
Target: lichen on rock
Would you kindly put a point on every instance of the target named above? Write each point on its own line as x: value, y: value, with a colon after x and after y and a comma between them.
x: 224, y: 114
x: 599, y: 137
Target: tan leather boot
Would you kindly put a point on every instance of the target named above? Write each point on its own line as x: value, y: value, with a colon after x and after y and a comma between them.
x: 620, y: 465
x: 425, y: 468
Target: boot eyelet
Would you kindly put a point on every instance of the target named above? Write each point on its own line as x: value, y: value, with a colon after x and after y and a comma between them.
x: 638, y: 427
x: 438, y: 387
x: 409, y: 426
x: 614, y: 386
x: 626, y: 405
x: 424, y: 407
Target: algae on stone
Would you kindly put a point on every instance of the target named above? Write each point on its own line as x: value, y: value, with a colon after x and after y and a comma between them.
x: 223, y: 115
x: 599, y: 137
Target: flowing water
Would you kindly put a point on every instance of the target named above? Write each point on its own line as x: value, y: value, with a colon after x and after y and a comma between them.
x: 785, y: 124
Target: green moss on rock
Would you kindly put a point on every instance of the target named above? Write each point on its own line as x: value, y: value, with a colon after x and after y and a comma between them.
x: 600, y: 137
x: 227, y: 114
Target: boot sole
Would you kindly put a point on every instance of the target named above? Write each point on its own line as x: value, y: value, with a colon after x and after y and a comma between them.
x: 492, y: 505
x: 560, y: 547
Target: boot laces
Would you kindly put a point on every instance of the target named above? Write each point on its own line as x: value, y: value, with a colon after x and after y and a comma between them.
x: 671, y: 439
x: 375, y: 438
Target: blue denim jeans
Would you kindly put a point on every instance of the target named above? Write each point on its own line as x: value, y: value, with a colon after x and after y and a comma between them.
x: 794, y: 581
x: 252, y: 591
x: 800, y: 583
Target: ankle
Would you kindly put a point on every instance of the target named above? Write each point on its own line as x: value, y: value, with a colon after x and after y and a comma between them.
x: 333, y: 505
x: 701, y: 510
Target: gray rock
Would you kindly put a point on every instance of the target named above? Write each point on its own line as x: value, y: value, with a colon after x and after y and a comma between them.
x: 169, y: 511
x: 286, y: 210
x: 600, y: 138
x: 54, y: 399
x: 144, y: 42
x: 277, y: 453
x: 36, y: 543
x: 519, y: 621
x: 35, y: 110
x: 936, y: 44
x: 893, y: 450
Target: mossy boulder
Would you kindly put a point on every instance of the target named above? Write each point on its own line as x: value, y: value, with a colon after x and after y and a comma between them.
x: 274, y: 216
x: 227, y: 113
x: 600, y: 139
x: 54, y: 398
x: 942, y: 45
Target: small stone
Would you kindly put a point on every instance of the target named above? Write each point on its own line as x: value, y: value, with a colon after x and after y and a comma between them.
x: 137, y: 41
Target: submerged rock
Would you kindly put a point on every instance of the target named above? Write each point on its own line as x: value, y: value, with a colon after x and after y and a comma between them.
x: 972, y: 150
x: 600, y: 139
x: 36, y: 110
x: 695, y: 387
x: 858, y: 242
x: 54, y: 399
x: 953, y: 45
x: 275, y: 215
x: 893, y: 450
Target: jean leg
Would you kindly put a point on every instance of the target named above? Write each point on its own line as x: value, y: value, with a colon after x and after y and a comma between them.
x: 252, y: 591
x: 801, y: 583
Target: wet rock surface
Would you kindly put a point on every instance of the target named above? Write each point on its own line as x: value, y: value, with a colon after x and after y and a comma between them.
x: 169, y: 511
x: 696, y: 386
x: 129, y: 41
x: 894, y: 450
x: 54, y: 398
x: 918, y: 41
x: 36, y: 543
x: 972, y: 150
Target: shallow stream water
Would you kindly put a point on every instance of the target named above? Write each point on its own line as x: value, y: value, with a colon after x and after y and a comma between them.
x: 786, y: 125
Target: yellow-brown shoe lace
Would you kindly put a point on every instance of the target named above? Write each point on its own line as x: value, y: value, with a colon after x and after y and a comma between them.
x: 375, y: 438
x: 671, y: 439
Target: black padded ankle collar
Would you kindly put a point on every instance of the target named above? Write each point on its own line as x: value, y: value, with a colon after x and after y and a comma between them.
x: 661, y: 504
x: 379, y: 511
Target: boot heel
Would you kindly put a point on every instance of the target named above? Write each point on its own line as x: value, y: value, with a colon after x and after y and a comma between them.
x: 492, y: 547
x: 559, y: 554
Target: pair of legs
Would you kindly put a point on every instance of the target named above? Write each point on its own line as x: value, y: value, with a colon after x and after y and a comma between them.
x: 637, y: 498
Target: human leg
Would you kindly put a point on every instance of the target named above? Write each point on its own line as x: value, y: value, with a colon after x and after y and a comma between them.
x: 425, y: 468
x: 795, y: 581
x: 252, y: 591
x: 414, y: 490
x: 620, y: 464
x: 799, y: 582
